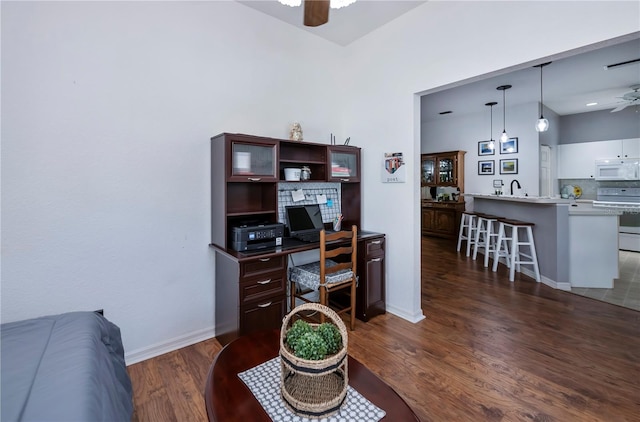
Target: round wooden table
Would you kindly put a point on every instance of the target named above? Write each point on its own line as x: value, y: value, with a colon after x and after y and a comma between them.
x: 229, y: 399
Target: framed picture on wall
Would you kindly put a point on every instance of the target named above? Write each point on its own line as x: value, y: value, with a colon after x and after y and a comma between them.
x: 486, y: 148
x: 510, y: 146
x: 509, y: 166
x: 486, y: 167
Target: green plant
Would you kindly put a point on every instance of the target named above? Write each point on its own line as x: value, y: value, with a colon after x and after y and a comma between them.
x: 311, y: 343
x: 297, y: 330
x: 311, y: 346
x: 331, y: 337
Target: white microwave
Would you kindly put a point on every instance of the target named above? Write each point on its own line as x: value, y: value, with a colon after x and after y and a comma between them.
x: 618, y: 169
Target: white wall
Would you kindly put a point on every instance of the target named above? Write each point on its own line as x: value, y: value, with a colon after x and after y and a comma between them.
x: 108, y: 111
x: 464, y: 132
x: 108, y: 108
x: 434, y: 45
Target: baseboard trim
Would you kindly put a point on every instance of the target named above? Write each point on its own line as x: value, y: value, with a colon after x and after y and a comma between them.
x: 414, y: 318
x: 170, y: 345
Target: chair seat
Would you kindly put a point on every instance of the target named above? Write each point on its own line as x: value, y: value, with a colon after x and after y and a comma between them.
x: 308, y: 275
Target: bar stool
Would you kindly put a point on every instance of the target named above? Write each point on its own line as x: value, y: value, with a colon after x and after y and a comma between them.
x: 516, y: 256
x: 467, y: 221
x: 502, y: 245
x: 485, y: 236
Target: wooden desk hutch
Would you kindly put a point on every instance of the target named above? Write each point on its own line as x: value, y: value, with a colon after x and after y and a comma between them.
x: 251, y: 287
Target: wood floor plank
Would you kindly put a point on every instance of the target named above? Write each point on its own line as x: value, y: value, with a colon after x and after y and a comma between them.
x: 185, y: 393
x: 488, y: 350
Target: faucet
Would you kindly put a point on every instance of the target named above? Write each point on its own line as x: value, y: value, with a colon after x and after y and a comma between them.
x: 517, y: 183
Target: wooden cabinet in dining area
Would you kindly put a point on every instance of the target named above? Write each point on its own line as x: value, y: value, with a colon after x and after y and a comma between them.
x: 443, y: 169
x: 441, y: 218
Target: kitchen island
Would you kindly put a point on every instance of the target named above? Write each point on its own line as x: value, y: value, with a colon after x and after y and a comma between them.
x: 577, y: 244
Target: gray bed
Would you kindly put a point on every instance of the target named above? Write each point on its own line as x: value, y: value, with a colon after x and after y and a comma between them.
x: 67, y: 367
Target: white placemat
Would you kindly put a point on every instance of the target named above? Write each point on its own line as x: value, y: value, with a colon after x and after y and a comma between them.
x: 264, y: 382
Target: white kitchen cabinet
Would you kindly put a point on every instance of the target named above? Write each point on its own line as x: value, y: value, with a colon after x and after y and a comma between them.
x: 630, y: 148
x: 577, y: 161
x: 593, y: 264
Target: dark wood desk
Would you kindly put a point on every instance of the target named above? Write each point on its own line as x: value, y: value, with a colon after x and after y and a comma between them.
x: 251, y: 287
x: 228, y: 399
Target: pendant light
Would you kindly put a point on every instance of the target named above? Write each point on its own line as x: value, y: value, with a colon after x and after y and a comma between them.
x: 504, y: 137
x: 492, y: 144
x: 542, y: 125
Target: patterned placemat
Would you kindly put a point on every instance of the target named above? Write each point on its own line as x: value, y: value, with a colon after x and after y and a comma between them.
x: 264, y: 382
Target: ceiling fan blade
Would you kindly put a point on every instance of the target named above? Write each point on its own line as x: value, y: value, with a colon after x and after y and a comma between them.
x: 316, y: 12
x: 620, y: 108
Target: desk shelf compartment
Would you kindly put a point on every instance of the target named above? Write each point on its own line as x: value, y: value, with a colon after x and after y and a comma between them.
x: 298, y: 155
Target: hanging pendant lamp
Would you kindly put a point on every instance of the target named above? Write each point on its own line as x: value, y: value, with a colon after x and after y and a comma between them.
x: 542, y: 125
x: 504, y: 137
x: 492, y: 144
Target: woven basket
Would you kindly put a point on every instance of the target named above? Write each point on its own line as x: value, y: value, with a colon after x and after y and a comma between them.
x: 313, y: 388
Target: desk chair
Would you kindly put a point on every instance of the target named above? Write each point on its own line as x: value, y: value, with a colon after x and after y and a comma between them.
x: 329, y: 275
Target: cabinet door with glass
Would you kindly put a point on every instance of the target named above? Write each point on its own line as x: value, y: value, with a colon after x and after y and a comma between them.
x: 443, y: 169
x: 252, y: 160
x: 344, y: 164
x: 428, y: 171
x: 447, y: 170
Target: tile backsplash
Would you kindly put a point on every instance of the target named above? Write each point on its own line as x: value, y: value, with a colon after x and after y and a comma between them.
x: 590, y: 186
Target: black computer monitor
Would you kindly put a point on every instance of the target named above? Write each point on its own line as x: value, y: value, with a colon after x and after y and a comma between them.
x: 303, y: 219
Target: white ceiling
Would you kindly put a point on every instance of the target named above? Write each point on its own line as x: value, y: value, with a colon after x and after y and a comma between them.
x: 570, y: 81
x: 346, y: 24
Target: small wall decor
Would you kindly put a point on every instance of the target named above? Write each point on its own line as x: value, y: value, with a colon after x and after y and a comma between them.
x: 486, y: 148
x: 510, y: 146
x: 509, y: 166
x: 393, y: 168
x: 295, y: 133
x: 486, y: 167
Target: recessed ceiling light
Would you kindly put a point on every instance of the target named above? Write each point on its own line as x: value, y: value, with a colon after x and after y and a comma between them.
x: 446, y: 112
x: 591, y: 104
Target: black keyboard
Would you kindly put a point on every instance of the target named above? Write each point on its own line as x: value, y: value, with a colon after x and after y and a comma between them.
x: 309, y: 238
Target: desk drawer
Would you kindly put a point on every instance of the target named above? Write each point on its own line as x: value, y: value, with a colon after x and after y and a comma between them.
x: 261, y: 266
x: 264, y: 315
x: 374, y: 246
x: 269, y: 285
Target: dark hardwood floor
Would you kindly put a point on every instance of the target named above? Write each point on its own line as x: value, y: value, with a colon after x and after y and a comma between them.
x: 488, y: 350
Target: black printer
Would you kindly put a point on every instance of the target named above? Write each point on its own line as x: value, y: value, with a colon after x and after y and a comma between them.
x: 251, y: 238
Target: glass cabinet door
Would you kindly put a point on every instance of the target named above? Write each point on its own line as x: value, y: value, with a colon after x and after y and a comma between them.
x: 428, y: 171
x: 345, y: 164
x: 253, y: 161
x: 446, y: 170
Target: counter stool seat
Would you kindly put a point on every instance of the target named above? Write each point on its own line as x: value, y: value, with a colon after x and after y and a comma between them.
x: 467, y: 231
x: 509, y: 247
x: 485, y: 236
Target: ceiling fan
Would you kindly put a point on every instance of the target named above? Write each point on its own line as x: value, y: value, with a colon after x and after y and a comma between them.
x: 316, y: 12
x: 629, y: 99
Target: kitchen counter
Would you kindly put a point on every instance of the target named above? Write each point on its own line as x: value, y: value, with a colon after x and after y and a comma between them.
x: 520, y: 198
x: 586, y: 208
x: 564, y: 234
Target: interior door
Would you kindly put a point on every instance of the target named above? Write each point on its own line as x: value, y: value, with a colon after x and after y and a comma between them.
x: 545, y: 171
